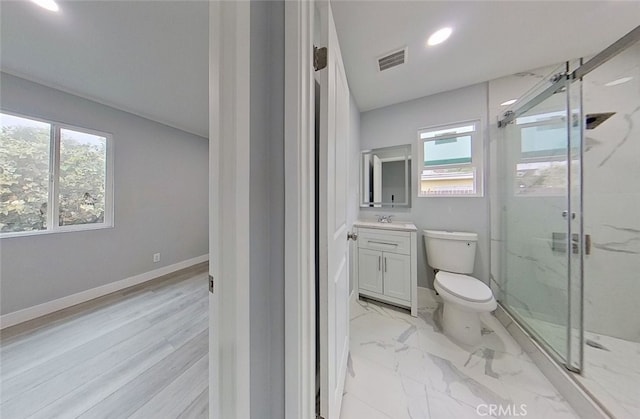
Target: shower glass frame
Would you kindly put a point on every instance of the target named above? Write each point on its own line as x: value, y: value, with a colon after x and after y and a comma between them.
x: 554, y: 105
x: 568, y: 83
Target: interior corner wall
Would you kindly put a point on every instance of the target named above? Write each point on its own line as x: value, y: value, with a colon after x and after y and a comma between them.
x: 160, y: 197
x: 267, y: 209
x: 398, y: 125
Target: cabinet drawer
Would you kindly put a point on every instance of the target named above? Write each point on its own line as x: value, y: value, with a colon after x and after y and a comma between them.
x: 393, y: 241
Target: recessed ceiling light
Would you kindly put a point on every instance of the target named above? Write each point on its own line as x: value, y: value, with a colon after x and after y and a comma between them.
x: 509, y: 102
x: 47, y: 4
x: 619, y: 81
x: 439, y: 36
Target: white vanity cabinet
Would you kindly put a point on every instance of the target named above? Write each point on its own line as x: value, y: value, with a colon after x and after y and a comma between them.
x: 385, y: 263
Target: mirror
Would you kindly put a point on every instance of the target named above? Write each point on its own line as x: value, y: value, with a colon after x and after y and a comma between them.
x: 385, y: 177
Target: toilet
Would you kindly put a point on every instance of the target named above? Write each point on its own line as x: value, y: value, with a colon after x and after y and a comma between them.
x: 465, y: 297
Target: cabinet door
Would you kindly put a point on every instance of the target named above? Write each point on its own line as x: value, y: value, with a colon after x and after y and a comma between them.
x: 370, y: 270
x: 397, y: 275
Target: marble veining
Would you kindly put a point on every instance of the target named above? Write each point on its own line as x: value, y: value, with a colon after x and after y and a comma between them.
x: 452, y: 375
x: 625, y: 229
x: 615, y: 246
x: 488, y: 355
x: 405, y: 367
x: 629, y: 120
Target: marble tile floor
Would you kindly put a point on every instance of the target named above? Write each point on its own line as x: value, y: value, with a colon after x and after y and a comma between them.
x: 404, y: 367
x: 611, y: 371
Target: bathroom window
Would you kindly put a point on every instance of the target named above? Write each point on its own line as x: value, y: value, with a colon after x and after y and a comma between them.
x: 451, y: 161
x: 542, y: 166
x: 53, y: 177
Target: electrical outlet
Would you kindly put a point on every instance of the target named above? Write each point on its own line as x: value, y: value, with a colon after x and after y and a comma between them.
x: 156, y: 257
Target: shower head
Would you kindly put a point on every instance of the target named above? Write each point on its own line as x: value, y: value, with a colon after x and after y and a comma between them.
x: 593, y: 120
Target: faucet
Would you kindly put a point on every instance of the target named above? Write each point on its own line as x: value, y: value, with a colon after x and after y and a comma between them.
x: 384, y: 218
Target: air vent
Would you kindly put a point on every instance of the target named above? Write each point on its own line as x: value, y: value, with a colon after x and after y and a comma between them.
x: 393, y: 59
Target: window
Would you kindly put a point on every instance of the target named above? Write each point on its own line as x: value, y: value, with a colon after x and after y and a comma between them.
x: 542, y: 166
x: 451, y: 160
x: 51, y: 171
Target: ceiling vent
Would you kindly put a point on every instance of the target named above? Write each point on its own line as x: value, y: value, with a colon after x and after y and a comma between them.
x: 393, y: 59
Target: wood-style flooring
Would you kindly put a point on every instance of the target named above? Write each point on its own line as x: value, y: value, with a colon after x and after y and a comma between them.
x: 138, y: 353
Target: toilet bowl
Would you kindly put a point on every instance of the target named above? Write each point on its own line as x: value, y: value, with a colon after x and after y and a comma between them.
x: 464, y: 297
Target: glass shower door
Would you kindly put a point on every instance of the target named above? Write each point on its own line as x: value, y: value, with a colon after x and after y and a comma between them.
x: 540, y: 196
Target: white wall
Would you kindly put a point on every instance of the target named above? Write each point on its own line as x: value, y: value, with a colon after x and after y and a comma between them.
x: 399, y: 124
x: 161, y: 203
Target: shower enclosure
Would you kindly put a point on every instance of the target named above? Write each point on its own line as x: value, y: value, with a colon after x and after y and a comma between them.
x: 568, y: 202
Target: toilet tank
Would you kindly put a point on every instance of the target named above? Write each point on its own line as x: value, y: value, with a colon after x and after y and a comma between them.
x: 451, y: 251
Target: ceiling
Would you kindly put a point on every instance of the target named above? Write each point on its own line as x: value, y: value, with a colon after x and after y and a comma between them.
x: 149, y: 58
x: 490, y: 39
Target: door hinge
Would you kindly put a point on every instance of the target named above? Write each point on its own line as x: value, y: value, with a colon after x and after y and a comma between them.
x: 211, y: 284
x: 319, y: 58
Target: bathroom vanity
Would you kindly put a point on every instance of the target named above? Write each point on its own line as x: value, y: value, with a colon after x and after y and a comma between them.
x: 385, y: 263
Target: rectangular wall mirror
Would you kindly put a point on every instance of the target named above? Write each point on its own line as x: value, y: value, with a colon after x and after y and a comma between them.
x: 385, y: 177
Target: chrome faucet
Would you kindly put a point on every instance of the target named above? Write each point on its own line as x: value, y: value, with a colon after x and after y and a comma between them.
x: 384, y: 218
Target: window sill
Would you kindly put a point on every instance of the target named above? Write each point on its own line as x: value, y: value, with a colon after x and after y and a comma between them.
x: 68, y: 229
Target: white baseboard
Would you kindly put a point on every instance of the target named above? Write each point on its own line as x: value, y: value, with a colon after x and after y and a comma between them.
x: 20, y: 316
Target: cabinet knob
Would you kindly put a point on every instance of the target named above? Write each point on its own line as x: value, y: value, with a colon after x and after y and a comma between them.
x: 352, y: 236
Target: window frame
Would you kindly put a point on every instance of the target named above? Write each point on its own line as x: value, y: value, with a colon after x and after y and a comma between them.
x: 477, y: 156
x: 53, y: 210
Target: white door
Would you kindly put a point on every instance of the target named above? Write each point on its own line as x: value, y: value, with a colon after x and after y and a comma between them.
x: 333, y: 181
x: 370, y: 270
x: 397, y: 271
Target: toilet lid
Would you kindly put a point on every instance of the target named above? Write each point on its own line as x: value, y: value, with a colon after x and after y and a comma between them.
x: 464, y: 286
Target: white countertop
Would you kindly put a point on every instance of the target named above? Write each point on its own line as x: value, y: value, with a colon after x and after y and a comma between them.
x: 396, y: 225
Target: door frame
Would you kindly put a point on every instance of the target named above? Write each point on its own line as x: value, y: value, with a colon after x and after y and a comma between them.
x: 229, y: 229
x: 300, y: 333
x: 229, y: 340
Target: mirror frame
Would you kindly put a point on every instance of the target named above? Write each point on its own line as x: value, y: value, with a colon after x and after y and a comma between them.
x: 405, y: 150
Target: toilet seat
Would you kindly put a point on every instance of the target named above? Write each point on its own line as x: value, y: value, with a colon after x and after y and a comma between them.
x: 465, y: 287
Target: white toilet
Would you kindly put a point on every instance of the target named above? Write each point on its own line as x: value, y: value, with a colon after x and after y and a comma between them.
x: 464, y: 296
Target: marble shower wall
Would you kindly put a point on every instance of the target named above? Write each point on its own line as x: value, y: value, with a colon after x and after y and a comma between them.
x: 612, y: 198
